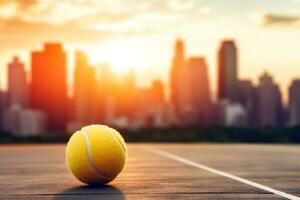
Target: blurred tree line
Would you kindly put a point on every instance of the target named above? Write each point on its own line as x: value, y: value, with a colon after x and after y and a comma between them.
x: 180, y: 134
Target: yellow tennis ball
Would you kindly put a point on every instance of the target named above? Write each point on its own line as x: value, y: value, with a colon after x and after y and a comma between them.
x: 96, y: 154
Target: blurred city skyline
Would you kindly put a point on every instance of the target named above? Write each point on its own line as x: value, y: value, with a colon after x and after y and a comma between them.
x: 41, y: 104
x: 141, y: 34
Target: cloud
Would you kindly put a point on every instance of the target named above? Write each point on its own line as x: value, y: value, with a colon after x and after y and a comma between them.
x: 25, y: 22
x: 205, y: 10
x: 270, y: 19
x: 93, y: 16
x: 181, y: 5
x: 16, y: 33
x: 59, y: 12
x: 97, y: 12
x: 63, y: 11
x: 295, y: 1
x: 24, y: 4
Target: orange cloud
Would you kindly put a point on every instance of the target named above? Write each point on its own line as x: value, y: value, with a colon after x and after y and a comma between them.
x: 270, y: 19
x: 25, y: 23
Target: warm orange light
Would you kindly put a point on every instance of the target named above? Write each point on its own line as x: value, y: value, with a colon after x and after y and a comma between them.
x: 121, y: 56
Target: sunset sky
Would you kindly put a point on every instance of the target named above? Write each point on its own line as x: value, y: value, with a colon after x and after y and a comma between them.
x: 140, y: 34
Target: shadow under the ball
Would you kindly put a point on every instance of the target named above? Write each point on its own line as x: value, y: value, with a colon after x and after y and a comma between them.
x: 91, y: 192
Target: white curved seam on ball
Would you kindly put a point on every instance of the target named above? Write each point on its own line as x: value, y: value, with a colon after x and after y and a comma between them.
x: 89, y: 152
x: 113, y: 132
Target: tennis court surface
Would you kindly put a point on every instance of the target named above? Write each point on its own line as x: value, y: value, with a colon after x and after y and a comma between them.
x: 158, y: 171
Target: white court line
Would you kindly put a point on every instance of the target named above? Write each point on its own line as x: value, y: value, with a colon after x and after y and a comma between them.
x: 200, y: 166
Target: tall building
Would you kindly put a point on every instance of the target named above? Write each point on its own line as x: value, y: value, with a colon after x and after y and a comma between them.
x: 2, y: 107
x: 151, y: 106
x: 269, y: 102
x: 48, y: 91
x: 32, y: 122
x: 294, y: 103
x: 11, y: 121
x: 247, y: 100
x: 125, y: 97
x: 158, y: 93
x: 17, y: 84
x: 106, y: 107
x: 199, y: 92
x: 84, y: 89
x: 227, y: 71
x: 179, y: 75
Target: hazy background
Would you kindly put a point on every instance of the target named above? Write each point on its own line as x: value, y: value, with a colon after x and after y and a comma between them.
x: 267, y: 34
x: 159, y: 70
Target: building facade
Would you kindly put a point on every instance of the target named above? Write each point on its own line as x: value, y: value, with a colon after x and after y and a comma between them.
x: 199, y: 90
x: 48, y: 91
x: 228, y: 71
x: 269, y: 107
x: 294, y: 103
x: 17, y: 84
x: 247, y: 100
x: 84, y: 89
x: 178, y: 81
x: 24, y: 122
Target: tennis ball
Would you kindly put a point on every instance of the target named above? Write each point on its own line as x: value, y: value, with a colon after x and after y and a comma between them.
x: 96, y: 154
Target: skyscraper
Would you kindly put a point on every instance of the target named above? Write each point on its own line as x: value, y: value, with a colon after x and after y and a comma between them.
x: 158, y: 93
x: 49, y: 85
x: 106, y: 91
x: 2, y: 107
x: 17, y: 84
x: 178, y: 79
x: 269, y: 103
x: 151, y: 105
x: 294, y: 103
x: 227, y: 71
x: 125, y: 97
x: 199, y: 93
x: 247, y: 100
x: 84, y: 89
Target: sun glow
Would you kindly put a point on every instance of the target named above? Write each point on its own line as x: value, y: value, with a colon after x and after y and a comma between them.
x: 121, y: 56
